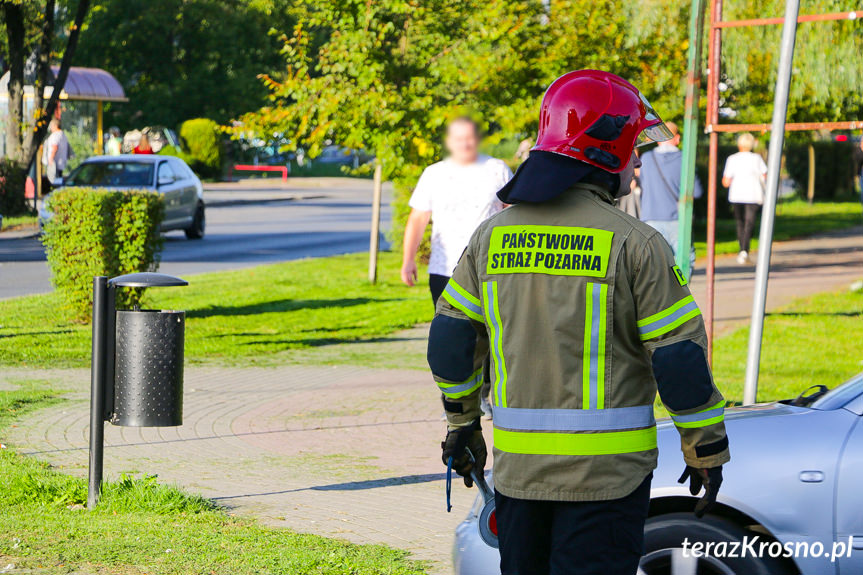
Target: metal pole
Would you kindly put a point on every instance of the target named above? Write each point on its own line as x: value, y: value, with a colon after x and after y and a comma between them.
x: 97, y: 389
x: 714, y: 65
x: 376, y: 224
x: 774, y: 160
x: 690, y: 138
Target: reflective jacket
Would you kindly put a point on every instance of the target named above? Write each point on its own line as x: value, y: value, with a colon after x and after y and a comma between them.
x: 585, y: 315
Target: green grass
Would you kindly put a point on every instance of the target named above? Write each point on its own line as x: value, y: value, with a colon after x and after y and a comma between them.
x: 794, y: 219
x: 10, y: 222
x: 815, y: 340
x: 250, y: 316
x: 142, y: 526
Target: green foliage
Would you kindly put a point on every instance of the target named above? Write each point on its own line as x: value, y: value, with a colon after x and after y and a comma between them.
x: 99, y: 233
x: 12, y: 179
x: 176, y: 152
x: 834, y: 168
x: 181, y: 59
x: 202, y: 139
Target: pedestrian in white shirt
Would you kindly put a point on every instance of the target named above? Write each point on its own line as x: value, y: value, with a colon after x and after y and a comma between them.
x: 456, y: 194
x: 744, y: 177
x: 55, y: 152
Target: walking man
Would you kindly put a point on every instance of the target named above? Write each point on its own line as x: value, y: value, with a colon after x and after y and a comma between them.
x: 586, y: 316
x: 56, y: 152
x: 456, y: 194
x: 660, y: 189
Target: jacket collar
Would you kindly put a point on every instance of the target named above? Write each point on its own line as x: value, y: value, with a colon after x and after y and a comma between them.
x: 583, y: 188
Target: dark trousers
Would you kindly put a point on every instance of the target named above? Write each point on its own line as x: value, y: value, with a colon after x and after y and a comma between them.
x: 564, y: 538
x: 437, y: 283
x: 745, y: 215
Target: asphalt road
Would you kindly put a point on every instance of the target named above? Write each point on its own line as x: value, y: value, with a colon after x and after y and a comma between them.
x: 244, y: 228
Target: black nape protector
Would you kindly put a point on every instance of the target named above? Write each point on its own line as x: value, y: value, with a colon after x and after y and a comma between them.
x: 682, y: 375
x: 451, y: 348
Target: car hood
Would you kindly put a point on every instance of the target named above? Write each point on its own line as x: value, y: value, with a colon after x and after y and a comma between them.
x: 746, y: 413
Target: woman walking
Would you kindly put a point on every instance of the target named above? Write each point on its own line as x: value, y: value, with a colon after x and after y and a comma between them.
x: 744, y: 177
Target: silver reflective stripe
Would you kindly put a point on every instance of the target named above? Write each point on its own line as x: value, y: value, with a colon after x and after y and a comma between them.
x: 612, y: 419
x: 700, y: 416
x: 669, y: 319
x: 596, y: 301
x: 451, y: 291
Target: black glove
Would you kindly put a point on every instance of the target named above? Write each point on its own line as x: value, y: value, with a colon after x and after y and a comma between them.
x: 710, y: 478
x: 457, y: 440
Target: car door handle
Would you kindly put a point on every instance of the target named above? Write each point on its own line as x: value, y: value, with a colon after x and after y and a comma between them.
x: 812, y: 476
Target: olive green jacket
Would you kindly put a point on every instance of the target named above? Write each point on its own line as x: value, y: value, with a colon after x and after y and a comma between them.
x: 583, y: 312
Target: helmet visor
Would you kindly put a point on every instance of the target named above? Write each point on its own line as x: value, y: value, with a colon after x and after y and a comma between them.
x: 655, y: 129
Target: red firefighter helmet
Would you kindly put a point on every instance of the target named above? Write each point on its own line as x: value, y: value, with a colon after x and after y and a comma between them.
x: 598, y: 118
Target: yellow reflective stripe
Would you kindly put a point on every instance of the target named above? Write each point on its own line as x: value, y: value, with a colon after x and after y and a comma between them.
x: 461, y: 307
x: 466, y: 294
x: 588, y: 338
x: 703, y: 418
x: 492, y: 314
x: 457, y: 390
x: 604, y: 443
x: 668, y: 319
x: 600, y: 363
x: 666, y: 312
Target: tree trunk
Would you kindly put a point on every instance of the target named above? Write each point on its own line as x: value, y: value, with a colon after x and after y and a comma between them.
x: 14, y: 123
x: 43, y: 71
x: 40, y: 129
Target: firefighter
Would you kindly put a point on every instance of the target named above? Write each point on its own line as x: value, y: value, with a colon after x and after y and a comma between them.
x: 586, y: 316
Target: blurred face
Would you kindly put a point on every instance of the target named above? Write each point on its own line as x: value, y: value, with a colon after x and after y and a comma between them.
x: 627, y: 174
x: 462, y: 142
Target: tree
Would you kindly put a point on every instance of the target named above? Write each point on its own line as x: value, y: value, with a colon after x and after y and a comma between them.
x: 23, y: 140
x: 182, y: 59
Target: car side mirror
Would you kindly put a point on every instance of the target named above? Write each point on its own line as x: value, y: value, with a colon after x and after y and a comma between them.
x: 165, y: 181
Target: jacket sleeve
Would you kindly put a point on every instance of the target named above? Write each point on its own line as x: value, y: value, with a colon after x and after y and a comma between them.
x: 670, y: 326
x: 458, y: 344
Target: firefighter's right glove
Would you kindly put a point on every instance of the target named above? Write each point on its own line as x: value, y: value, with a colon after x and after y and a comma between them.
x: 710, y: 478
x: 455, y: 445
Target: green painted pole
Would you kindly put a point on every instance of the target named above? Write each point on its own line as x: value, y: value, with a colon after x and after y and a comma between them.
x: 690, y: 138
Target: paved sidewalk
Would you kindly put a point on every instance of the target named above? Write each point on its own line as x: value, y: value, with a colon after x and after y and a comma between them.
x: 344, y: 451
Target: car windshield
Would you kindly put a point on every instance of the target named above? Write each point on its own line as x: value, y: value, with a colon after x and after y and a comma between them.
x: 121, y: 174
x: 841, y: 395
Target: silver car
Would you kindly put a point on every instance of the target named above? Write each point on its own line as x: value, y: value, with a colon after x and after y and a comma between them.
x: 791, y: 501
x: 167, y: 175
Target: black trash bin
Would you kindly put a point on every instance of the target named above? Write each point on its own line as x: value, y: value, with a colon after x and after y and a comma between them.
x: 148, y: 369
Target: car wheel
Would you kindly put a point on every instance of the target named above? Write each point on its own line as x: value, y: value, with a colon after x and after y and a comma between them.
x: 664, y: 553
x: 199, y: 224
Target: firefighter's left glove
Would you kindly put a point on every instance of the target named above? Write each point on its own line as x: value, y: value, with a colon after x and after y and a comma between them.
x: 455, y: 445
x: 710, y: 479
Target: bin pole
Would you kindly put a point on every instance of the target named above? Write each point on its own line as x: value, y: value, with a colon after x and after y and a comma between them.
x: 97, y: 388
x: 774, y: 160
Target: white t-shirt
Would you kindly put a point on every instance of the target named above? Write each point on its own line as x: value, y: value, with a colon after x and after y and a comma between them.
x: 460, y: 198
x: 746, y: 170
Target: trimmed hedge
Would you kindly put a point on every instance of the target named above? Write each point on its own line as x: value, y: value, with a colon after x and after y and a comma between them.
x: 834, y: 168
x: 98, y: 233
x: 12, y: 180
x: 202, y: 138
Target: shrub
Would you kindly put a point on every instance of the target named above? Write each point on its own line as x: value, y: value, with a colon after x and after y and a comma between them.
x: 834, y: 168
x: 177, y: 153
x: 203, y: 141
x: 12, y: 180
x: 99, y: 233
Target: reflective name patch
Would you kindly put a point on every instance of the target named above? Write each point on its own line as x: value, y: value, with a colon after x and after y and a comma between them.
x: 553, y: 250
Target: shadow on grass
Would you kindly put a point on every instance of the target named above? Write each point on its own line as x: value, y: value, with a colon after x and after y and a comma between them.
x: 324, y: 341
x: 815, y: 314
x: 283, y: 305
x: 24, y: 333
